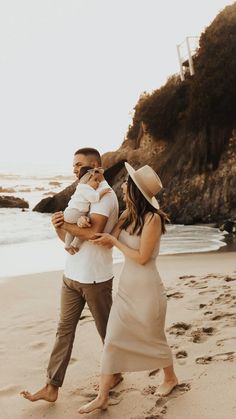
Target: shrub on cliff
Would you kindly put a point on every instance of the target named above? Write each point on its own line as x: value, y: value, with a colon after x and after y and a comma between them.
x: 203, y: 104
x: 162, y: 111
x: 213, y: 87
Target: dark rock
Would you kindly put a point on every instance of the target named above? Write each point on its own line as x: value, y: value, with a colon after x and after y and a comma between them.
x: 188, y: 196
x: 229, y: 226
x: 54, y: 183
x: 12, y: 202
x: 58, y: 202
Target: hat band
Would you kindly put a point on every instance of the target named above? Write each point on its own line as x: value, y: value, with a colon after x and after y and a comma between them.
x: 143, y: 185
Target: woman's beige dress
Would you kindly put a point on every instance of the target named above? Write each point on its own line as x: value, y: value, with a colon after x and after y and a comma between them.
x: 135, y: 338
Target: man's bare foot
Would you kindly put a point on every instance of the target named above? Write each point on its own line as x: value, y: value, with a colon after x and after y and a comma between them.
x: 93, y: 405
x: 49, y: 393
x: 167, y: 387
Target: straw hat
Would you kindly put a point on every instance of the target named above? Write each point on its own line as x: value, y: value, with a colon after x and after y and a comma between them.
x: 147, y: 182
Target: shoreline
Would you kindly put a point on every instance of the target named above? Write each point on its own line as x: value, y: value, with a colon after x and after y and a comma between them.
x: 201, y: 291
x: 27, y: 261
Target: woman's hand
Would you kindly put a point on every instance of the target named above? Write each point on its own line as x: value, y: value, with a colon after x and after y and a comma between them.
x: 57, y: 219
x: 104, y: 239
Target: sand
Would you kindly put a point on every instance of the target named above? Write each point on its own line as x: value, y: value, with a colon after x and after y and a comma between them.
x: 201, y: 330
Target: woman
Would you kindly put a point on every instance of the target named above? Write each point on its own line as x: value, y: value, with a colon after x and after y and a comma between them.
x: 135, y: 338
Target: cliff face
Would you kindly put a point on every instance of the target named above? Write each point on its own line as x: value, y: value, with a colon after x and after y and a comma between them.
x: 186, y: 131
x: 188, y: 196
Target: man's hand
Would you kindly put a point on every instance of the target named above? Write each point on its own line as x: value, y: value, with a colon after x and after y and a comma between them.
x: 57, y: 219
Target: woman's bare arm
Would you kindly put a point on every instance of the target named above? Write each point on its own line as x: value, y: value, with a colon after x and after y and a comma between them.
x: 150, y: 234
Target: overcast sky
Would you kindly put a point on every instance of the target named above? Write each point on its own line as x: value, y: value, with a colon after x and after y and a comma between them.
x: 72, y: 71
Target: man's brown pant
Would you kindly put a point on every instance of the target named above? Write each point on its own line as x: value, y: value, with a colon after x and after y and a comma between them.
x: 74, y: 296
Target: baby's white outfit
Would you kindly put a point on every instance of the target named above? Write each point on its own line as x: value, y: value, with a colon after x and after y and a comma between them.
x: 79, y: 205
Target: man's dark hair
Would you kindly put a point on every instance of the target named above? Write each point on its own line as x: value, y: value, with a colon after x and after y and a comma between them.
x: 90, y: 152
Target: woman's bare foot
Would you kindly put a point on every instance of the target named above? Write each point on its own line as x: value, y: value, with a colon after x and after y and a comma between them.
x: 49, y: 393
x: 93, y: 405
x: 167, y: 387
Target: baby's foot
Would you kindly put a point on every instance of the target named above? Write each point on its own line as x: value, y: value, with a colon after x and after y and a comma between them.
x: 75, y: 249
x: 70, y: 250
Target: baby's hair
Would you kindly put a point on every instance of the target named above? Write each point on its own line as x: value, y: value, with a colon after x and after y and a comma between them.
x: 84, y: 170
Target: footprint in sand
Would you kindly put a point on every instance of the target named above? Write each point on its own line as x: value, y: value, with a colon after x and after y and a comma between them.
x: 207, y: 312
x: 226, y: 356
x: 175, y: 294
x: 181, y: 354
x: 180, y: 389
x: 200, y: 335
x: 115, y: 397
x: 46, y: 332
x: 73, y: 361
x: 221, y: 342
x: 37, y: 345
x: 156, y: 411
x: 9, y: 390
x: 160, y: 407
x: 181, y: 357
x: 27, y: 327
x: 149, y: 390
x: 212, y: 276
x: 209, y: 291
x: 230, y: 278
x: 221, y: 316
x: 179, y: 328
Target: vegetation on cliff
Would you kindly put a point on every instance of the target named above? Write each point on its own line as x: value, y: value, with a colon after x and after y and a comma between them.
x: 203, y: 104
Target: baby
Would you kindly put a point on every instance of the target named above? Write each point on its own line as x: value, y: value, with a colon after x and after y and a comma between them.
x: 79, y: 204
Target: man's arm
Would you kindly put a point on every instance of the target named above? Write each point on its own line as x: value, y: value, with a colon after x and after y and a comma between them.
x: 98, y: 223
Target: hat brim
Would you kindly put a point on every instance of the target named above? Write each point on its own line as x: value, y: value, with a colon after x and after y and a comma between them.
x: 131, y: 171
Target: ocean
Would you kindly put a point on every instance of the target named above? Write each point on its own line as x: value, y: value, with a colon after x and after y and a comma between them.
x: 28, y: 242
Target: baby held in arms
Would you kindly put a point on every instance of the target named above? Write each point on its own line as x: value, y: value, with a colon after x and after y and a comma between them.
x: 79, y: 205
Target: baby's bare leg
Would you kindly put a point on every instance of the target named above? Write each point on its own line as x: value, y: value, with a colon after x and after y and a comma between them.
x: 70, y: 216
x: 76, y: 243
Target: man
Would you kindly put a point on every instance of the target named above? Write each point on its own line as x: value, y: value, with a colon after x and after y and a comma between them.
x: 83, y: 281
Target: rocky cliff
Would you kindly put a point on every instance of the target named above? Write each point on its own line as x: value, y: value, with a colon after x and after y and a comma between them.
x: 187, y: 132
x: 188, y: 196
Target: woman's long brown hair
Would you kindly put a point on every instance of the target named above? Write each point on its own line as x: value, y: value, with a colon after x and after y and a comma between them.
x: 138, y: 207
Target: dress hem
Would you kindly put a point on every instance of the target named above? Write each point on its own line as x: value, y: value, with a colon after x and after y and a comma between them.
x: 127, y: 369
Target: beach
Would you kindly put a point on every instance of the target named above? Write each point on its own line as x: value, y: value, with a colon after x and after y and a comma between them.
x: 200, y: 327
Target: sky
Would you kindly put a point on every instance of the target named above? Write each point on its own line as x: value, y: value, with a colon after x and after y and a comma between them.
x: 73, y: 70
